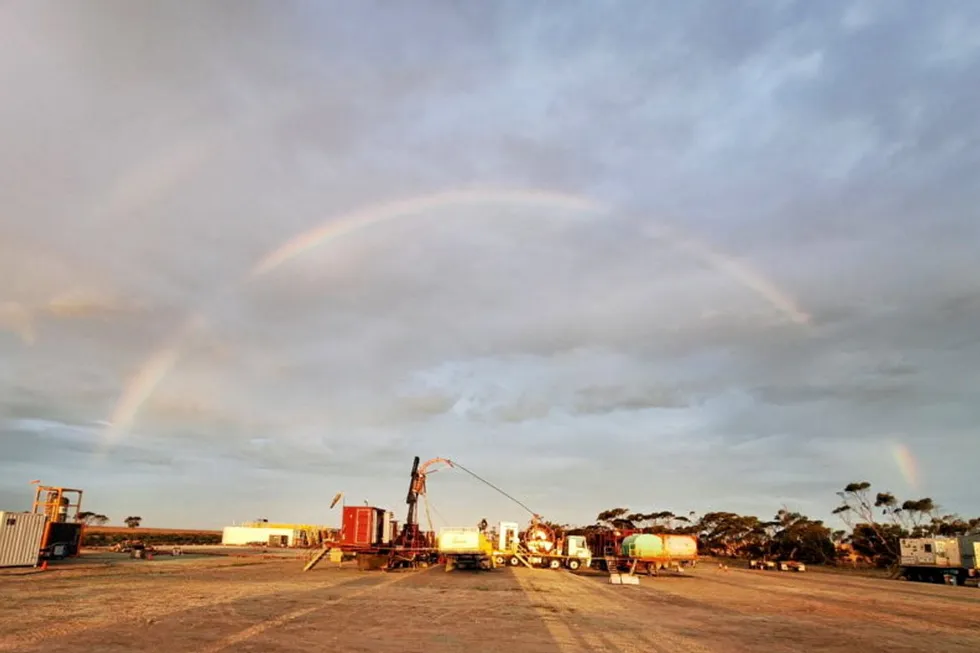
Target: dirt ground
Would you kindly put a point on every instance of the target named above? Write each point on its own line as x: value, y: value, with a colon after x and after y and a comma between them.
x: 204, y: 604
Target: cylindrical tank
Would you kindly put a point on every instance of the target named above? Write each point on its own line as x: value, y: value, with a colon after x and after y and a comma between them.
x: 539, y: 539
x: 681, y: 547
x: 63, y: 510
x: 643, y: 546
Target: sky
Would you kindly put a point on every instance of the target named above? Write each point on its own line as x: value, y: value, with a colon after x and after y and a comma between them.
x: 685, y: 256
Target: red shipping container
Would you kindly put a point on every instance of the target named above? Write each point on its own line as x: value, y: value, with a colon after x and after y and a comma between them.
x: 362, y: 526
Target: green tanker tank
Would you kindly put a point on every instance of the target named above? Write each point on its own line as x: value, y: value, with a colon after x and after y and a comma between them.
x: 642, y: 546
x: 648, y: 546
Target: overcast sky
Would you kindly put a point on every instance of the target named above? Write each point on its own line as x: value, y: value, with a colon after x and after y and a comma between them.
x: 777, y: 285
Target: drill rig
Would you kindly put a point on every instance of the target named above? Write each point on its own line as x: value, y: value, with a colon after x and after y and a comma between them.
x: 411, y: 536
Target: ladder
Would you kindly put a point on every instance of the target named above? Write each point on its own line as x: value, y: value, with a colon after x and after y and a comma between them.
x: 520, y: 556
x: 316, y: 558
x: 612, y: 565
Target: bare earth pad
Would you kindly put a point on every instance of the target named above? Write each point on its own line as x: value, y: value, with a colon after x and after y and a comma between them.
x: 209, y: 604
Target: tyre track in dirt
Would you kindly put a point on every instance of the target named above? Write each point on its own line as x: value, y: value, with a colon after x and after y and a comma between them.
x: 585, y: 616
x: 176, y: 606
x: 435, y: 612
x: 887, y: 607
x: 726, y: 608
x: 253, y: 631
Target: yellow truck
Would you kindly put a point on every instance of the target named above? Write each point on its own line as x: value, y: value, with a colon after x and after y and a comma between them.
x: 465, y: 548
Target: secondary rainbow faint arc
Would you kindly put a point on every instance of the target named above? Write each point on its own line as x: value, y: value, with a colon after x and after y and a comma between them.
x: 141, y: 387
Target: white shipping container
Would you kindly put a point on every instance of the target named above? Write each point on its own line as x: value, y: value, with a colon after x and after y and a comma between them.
x: 20, y: 538
x: 240, y: 535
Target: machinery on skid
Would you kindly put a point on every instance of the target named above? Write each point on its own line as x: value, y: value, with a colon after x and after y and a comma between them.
x: 950, y: 560
x: 538, y: 546
x: 47, y: 532
x: 62, y: 537
x: 371, y: 534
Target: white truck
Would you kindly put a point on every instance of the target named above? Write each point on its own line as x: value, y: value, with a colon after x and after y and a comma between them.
x: 465, y: 547
x: 571, y: 552
x: 951, y: 560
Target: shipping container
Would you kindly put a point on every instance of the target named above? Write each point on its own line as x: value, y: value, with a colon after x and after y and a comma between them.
x: 21, y: 534
x: 364, y: 526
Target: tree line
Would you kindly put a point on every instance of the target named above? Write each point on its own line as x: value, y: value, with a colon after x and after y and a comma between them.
x: 96, y: 519
x: 876, y: 521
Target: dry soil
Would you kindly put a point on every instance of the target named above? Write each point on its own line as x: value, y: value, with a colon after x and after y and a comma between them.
x: 210, y: 604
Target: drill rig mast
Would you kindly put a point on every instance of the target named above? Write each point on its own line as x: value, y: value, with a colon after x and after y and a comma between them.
x: 411, y: 536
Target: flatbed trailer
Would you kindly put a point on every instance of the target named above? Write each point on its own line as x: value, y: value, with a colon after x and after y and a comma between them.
x: 548, y: 552
x: 540, y: 561
x: 368, y: 558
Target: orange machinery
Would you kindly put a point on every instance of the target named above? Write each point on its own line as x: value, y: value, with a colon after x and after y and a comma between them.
x: 62, y: 536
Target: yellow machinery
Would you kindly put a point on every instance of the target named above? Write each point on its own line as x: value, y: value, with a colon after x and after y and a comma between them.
x: 62, y: 534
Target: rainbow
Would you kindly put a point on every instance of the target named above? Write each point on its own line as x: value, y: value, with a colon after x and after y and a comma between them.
x: 146, y: 380
x: 141, y: 387
x: 907, y: 464
x: 357, y: 220
x: 736, y: 270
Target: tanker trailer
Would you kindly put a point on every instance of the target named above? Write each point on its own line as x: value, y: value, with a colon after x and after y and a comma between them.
x: 659, y: 551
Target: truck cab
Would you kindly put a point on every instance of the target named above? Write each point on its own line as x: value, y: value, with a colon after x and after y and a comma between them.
x: 577, y: 552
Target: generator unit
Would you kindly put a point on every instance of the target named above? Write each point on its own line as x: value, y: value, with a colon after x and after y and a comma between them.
x: 952, y: 560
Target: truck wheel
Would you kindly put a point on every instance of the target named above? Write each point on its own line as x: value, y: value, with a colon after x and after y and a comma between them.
x: 499, y: 560
x: 555, y: 564
x: 514, y: 561
x: 573, y: 564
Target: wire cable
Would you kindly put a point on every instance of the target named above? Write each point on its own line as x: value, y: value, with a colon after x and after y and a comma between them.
x: 485, y: 481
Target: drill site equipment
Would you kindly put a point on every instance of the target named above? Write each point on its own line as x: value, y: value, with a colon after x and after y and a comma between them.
x: 371, y: 535
x: 950, y: 560
x: 537, y: 546
x: 628, y: 550
x: 465, y: 548
x: 44, y: 533
x: 62, y: 538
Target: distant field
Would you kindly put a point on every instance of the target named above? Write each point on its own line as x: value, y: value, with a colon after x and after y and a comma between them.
x: 136, y: 532
x: 109, y: 535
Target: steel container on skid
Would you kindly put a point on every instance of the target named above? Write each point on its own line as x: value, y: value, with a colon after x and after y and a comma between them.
x: 20, y: 538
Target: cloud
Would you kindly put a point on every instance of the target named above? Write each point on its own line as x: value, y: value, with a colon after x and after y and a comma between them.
x: 814, y: 160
